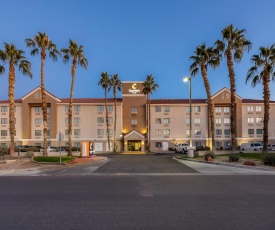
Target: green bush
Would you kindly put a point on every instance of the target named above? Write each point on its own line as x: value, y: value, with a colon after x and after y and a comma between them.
x: 233, y: 157
x: 202, y: 148
x: 209, y: 154
x: 171, y: 149
x: 4, y: 151
x: 269, y: 159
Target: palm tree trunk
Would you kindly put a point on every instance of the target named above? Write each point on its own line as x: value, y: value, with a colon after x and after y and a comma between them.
x: 107, y: 120
x: 11, y: 105
x: 266, y: 81
x: 233, y: 99
x: 149, y: 123
x: 70, y: 113
x: 210, y: 104
x: 115, y: 121
x: 44, y: 104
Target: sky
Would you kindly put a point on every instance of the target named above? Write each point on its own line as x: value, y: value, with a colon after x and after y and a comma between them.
x: 134, y: 38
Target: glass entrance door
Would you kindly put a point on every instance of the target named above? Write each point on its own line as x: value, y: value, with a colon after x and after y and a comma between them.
x: 134, y: 145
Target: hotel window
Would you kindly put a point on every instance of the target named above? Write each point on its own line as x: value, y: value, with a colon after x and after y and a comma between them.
x: 4, y: 109
x: 258, y: 108
x: 134, y: 121
x: 166, y: 120
x: 250, y: 109
x: 14, y: 132
x: 14, y: 109
x: 259, y: 120
x: 109, y: 108
x: 197, y: 120
x: 166, y: 132
x: 100, y: 132
x: 133, y: 110
x: 218, y: 132
x: 66, y: 120
x: 66, y: 132
x: 110, y: 120
x: 38, y: 121
x: 76, y: 144
x: 111, y: 132
x: 198, y: 143
x: 187, y: 109
x: 259, y: 131
x: 187, y: 132
x: 66, y: 108
x: 48, y: 109
x: 197, y: 132
x: 158, y: 109
x: 37, y: 109
x: 14, y: 120
x: 4, y: 121
x: 226, y: 121
x: 188, y: 121
x: 36, y: 95
x: 77, y: 108
x: 250, y: 120
x: 77, y: 132
x: 48, y: 133
x: 218, y: 109
x: 197, y: 109
x: 158, y: 144
x: 48, y: 121
x: 250, y: 131
x: 227, y: 132
x: 4, y: 133
x: 218, y: 121
x: 100, y: 120
x: 158, y: 132
x: 37, y: 133
x: 226, y: 109
x: 158, y: 120
x: 100, y: 108
x: 166, y: 109
x: 76, y: 120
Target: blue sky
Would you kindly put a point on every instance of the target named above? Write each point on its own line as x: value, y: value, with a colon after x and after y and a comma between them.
x: 133, y: 39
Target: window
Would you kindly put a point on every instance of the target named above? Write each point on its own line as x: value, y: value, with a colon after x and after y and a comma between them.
x: 197, y: 109
x: 158, y: 120
x: 48, y: 133
x: 250, y: 120
x: 218, y: 132
x: 76, y: 120
x: 48, y: 121
x: 38, y: 121
x: 37, y: 109
x: 77, y: 108
x: 197, y: 120
x: 100, y: 120
x: 250, y: 109
x: 134, y: 121
x: 66, y: 108
x: 37, y: 95
x: 38, y: 144
x: 218, y: 109
x: 259, y: 131
x: 100, y: 108
x: 227, y: 132
x: 133, y: 110
x: 14, y: 132
x: 226, y: 109
x: 187, y: 132
x: 66, y: 120
x: 4, y: 121
x: 110, y: 120
x: 258, y: 108
x: 166, y: 120
x: 76, y: 144
x: 66, y: 132
x: 250, y: 131
x: 48, y: 109
x: 158, y: 109
x: 158, y: 132
x: 198, y: 143
x: 218, y: 121
x: 100, y: 132
x: 226, y: 121
x: 14, y: 120
x: 158, y: 144
x: 37, y: 133
x: 259, y: 120
x: 4, y: 109
x: 109, y: 108
x: 188, y: 121
x: 187, y: 109
x: 111, y: 132
x: 197, y: 132
x: 77, y: 132
x: 166, y: 109
x: 4, y: 133
x: 166, y: 132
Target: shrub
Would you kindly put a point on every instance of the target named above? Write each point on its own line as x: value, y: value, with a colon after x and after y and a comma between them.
x: 269, y: 159
x: 202, y: 148
x: 171, y: 149
x: 209, y: 154
x: 233, y: 157
x: 4, y: 151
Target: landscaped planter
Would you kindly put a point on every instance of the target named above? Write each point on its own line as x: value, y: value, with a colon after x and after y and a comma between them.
x: 57, y: 154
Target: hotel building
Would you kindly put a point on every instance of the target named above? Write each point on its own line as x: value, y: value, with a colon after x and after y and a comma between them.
x: 170, y: 123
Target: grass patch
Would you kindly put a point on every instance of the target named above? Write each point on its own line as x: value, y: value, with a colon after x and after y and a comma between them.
x: 45, y: 159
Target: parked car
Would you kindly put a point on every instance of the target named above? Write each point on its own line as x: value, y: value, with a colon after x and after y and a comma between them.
x: 251, y: 146
x: 181, y: 147
x: 271, y: 147
x: 50, y: 149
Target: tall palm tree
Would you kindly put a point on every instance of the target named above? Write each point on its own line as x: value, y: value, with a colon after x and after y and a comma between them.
x: 262, y: 70
x: 116, y: 84
x: 41, y: 43
x: 147, y: 88
x: 15, y: 58
x: 232, y: 46
x: 76, y: 53
x: 204, y: 57
x: 104, y: 82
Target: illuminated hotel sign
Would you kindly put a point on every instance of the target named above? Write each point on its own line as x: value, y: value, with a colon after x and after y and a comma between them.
x: 134, y: 89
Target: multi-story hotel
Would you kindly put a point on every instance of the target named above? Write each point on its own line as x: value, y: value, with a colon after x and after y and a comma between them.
x: 170, y: 120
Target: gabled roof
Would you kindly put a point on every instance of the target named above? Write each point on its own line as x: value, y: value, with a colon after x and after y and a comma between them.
x: 224, y: 89
x: 38, y: 89
x: 134, y: 132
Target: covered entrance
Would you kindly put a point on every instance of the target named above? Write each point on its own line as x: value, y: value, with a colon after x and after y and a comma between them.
x: 134, y: 145
x: 134, y: 141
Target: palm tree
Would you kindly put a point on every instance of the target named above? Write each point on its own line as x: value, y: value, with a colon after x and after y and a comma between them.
x: 204, y: 57
x: 41, y: 43
x: 116, y: 84
x: 232, y: 47
x: 76, y: 53
x: 147, y: 88
x: 262, y: 70
x: 14, y: 57
x: 104, y: 82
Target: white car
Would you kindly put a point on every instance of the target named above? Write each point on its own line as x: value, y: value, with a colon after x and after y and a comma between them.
x: 50, y: 149
x: 181, y: 147
x: 271, y: 147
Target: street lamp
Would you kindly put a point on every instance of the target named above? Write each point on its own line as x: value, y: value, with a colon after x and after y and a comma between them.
x: 189, y: 79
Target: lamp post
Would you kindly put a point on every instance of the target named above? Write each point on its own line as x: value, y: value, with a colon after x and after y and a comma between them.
x: 190, y: 151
